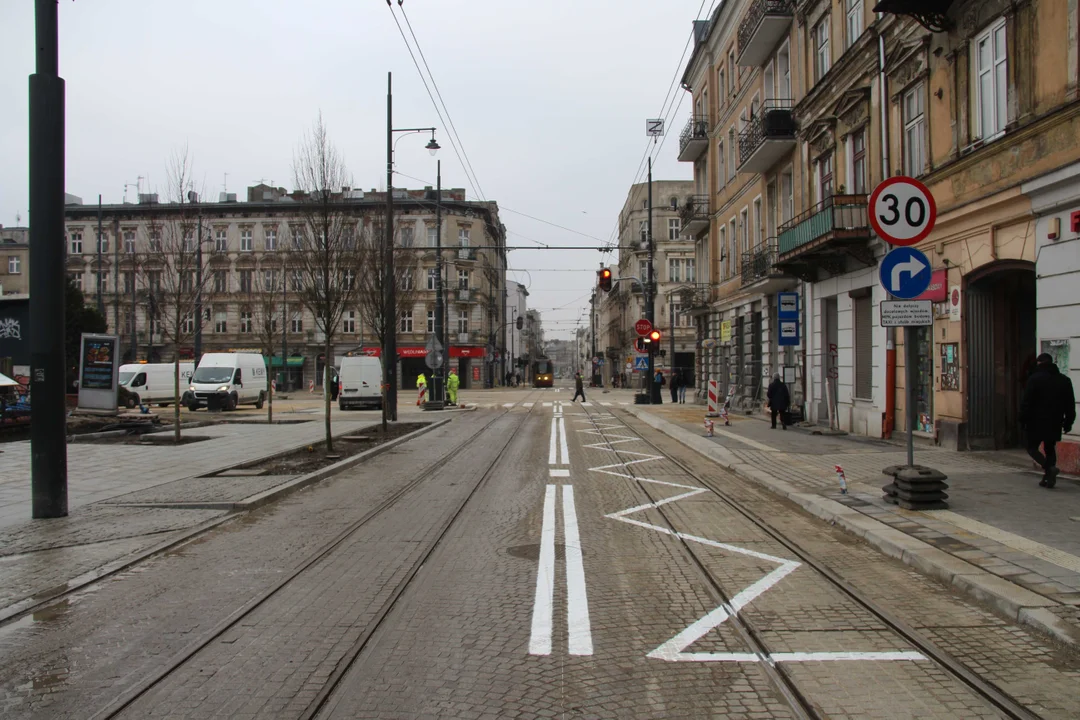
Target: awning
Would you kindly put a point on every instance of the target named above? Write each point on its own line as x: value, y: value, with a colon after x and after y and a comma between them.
x: 291, y: 361
x: 5, y: 381
x: 466, y: 352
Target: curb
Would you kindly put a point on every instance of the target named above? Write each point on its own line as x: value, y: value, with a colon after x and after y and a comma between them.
x: 232, y: 511
x: 1013, y: 601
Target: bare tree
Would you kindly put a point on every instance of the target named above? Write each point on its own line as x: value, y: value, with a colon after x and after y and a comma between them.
x: 327, y: 257
x: 171, y: 269
x: 265, y: 302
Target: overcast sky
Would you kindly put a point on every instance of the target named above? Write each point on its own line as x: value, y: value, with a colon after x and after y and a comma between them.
x: 549, y: 99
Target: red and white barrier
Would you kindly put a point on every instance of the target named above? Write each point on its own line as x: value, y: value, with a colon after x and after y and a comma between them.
x: 714, y: 399
x: 842, y: 478
x: 709, y: 425
x: 311, y: 386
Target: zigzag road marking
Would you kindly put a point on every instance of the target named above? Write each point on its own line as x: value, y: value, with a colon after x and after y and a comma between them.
x: 674, y: 650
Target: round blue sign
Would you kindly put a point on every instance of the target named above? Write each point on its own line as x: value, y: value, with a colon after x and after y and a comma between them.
x: 905, y: 273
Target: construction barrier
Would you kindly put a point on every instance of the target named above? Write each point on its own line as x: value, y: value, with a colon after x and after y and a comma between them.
x: 714, y: 399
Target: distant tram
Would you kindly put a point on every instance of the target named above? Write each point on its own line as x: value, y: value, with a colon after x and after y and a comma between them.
x: 543, y: 373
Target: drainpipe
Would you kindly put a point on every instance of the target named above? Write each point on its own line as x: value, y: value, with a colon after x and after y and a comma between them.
x: 890, y: 342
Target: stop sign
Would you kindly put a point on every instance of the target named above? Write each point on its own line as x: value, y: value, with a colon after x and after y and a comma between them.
x: 643, y: 327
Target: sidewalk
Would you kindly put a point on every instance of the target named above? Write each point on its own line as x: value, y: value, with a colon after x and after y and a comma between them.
x: 1004, y: 539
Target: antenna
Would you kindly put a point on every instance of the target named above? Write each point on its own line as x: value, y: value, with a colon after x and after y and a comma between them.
x: 225, y: 185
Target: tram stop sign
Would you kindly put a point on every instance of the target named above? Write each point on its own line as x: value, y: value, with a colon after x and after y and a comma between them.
x: 643, y: 327
x: 902, y: 211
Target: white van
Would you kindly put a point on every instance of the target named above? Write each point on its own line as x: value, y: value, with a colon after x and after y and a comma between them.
x: 154, y: 382
x: 232, y: 378
x: 360, y: 382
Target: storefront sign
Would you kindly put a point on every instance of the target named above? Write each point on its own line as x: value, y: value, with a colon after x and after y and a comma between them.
x: 938, y: 291
x: 466, y: 352
x: 954, y: 304
x: 725, y: 331
x: 476, y: 373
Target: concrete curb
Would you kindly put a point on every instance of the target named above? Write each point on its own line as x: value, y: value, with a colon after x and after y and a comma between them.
x: 231, y: 511
x: 1011, y: 600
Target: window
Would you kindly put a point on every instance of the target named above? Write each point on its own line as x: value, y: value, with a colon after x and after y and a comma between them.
x: 76, y: 279
x: 407, y: 236
x: 731, y: 153
x: 463, y: 237
x: 720, y: 83
x: 271, y: 323
x: 783, y: 72
x: 297, y: 323
x: 787, y: 195
x: 674, y: 203
x: 129, y: 282
x: 463, y: 321
x: 463, y: 279
x: 825, y: 176
x: 221, y: 240
x: 245, y: 240
x: 821, y: 49
x: 688, y: 267
x: 103, y: 284
x: 914, y: 131
x: 674, y: 270
x: 721, y: 164
x: 270, y: 237
x: 348, y: 324
x: 187, y: 281
x: 432, y: 278
x: 680, y: 319
x: 129, y: 242
x: 14, y: 265
x: 432, y: 236
x: 854, y: 20
x: 731, y: 65
x: 103, y: 242
x: 245, y: 321
x: 298, y: 239
x: 269, y: 280
x: 643, y: 270
x: 75, y: 244
x: 406, y: 321
x: 349, y: 279
x: 991, y: 84
x: 723, y: 252
x: 643, y: 231
x: 188, y: 241
x: 297, y: 282
x: 431, y: 321
x: 247, y: 283
x: 858, y: 162
x: 221, y: 321
x: 674, y: 227
x: 757, y: 222
x: 406, y: 279
x: 864, y: 347
x: 153, y: 281
x: 187, y: 324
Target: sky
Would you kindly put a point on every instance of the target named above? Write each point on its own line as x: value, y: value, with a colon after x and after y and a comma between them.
x: 549, y: 101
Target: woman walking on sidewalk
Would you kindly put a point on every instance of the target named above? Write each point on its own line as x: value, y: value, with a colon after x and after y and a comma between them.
x: 779, y: 399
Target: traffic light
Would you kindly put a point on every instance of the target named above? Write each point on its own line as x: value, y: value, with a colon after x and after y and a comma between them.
x: 604, y: 279
x: 520, y: 322
x: 654, y: 336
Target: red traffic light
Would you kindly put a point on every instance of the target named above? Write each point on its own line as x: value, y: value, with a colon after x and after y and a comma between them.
x: 604, y: 279
x: 654, y: 336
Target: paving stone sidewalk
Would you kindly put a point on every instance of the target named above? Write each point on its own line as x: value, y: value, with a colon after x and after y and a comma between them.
x: 999, y: 520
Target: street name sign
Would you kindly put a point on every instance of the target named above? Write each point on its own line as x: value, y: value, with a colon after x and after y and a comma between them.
x: 905, y: 273
x: 906, y: 313
x: 643, y: 327
x: 902, y: 211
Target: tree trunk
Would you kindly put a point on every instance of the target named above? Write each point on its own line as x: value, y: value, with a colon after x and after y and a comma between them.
x: 176, y: 397
x: 326, y: 395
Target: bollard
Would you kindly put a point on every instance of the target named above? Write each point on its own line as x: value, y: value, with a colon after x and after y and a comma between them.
x: 843, y: 480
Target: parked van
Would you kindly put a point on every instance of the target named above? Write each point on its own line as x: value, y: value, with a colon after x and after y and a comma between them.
x: 360, y: 382
x: 153, y: 382
x: 232, y: 378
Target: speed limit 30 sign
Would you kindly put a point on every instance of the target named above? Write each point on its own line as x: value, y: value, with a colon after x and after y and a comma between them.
x: 902, y: 211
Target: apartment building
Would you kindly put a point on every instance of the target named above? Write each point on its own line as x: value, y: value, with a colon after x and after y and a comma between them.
x: 970, y: 103
x: 516, y: 306
x: 674, y: 275
x: 14, y: 260
x: 248, y: 246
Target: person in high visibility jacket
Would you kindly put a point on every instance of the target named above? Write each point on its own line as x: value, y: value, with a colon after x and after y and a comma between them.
x: 421, y: 387
x: 452, y: 384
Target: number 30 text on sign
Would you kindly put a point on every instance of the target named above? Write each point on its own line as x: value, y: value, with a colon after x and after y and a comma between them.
x: 902, y: 211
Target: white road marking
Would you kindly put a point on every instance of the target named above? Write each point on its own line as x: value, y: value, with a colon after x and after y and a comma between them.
x: 622, y: 403
x: 540, y: 638
x: 558, y: 472
x: 606, y: 404
x: 553, y: 458
x: 528, y: 405
x: 562, y: 442
x: 508, y: 405
x: 547, y: 404
x: 674, y: 649
x: 577, y: 602
x: 586, y: 404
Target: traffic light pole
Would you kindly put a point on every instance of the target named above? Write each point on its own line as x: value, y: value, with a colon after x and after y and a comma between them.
x: 650, y: 300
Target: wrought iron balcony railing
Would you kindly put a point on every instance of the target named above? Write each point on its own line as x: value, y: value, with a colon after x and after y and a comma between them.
x: 694, y: 214
x: 694, y: 138
x: 760, y: 30
x: 836, y: 213
x: 769, y: 134
x: 758, y: 263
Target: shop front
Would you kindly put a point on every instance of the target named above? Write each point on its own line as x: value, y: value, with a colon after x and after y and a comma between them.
x: 290, y: 378
x: 469, y: 360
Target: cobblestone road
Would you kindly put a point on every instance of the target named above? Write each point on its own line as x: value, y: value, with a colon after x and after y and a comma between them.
x: 589, y: 575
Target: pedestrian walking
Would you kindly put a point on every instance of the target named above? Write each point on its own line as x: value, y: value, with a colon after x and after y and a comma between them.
x: 517, y: 379
x: 659, y: 380
x: 421, y: 389
x: 1048, y: 408
x: 579, y: 388
x: 452, y: 384
x: 779, y: 400
x: 682, y: 387
x: 675, y: 386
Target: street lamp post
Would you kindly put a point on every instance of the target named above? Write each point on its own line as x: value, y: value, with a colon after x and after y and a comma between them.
x: 389, y: 288
x: 198, y: 281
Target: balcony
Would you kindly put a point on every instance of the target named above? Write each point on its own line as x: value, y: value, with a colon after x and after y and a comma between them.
x: 464, y: 295
x: 768, y: 137
x: 825, y: 237
x: 761, y: 30
x: 695, y: 298
x: 695, y: 214
x: 694, y: 139
x: 759, y: 272
x: 465, y: 253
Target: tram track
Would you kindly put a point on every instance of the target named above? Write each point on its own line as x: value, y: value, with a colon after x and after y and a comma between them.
x: 782, y: 681
x: 123, y: 702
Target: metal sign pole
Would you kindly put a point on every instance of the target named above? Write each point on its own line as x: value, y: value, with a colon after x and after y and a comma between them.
x: 909, y: 395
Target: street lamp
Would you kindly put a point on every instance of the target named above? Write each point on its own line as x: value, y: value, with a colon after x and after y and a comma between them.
x: 389, y: 289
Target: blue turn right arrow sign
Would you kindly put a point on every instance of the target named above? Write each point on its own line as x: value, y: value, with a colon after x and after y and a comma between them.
x: 905, y: 273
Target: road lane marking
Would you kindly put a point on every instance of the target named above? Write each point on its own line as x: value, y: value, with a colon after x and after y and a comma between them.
x: 577, y: 602
x: 562, y: 442
x: 553, y: 457
x: 605, y: 404
x: 586, y: 404
x: 508, y: 405
x: 528, y: 405
x: 547, y: 404
x: 543, y: 603
x: 558, y: 472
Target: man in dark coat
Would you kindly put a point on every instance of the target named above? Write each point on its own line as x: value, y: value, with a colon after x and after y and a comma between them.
x: 676, y: 378
x: 579, y: 388
x: 779, y: 400
x: 1048, y: 407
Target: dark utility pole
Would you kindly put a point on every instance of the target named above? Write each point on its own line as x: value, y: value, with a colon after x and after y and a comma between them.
x: 198, y: 282
x: 99, y: 283
x: 671, y: 337
x: 650, y: 300
x: 116, y: 281
x: 389, y: 299
x: 438, y: 376
x: 284, y: 327
x: 48, y: 432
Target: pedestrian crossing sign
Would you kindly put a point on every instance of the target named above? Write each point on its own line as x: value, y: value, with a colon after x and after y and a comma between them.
x: 641, y: 363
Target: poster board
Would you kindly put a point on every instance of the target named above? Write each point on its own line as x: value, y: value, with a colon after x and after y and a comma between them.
x: 98, y: 372
x: 950, y: 366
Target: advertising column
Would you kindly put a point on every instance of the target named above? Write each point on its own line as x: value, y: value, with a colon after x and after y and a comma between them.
x: 97, y: 373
